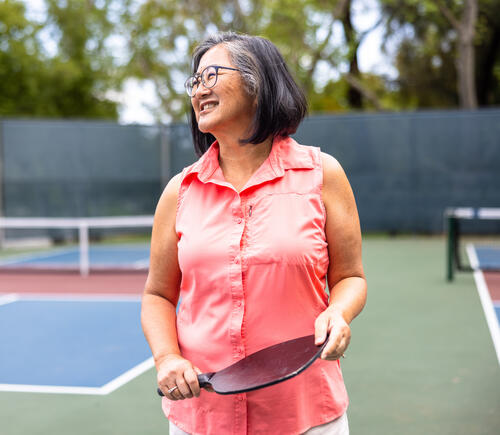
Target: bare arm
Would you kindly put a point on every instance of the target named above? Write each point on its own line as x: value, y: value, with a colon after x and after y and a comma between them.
x: 346, y: 279
x: 160, y: 299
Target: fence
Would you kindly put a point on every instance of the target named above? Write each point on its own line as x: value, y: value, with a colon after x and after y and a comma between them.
x: 405, y: 168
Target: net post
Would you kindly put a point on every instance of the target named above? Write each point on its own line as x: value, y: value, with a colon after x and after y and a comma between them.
x: 451, y: 246
x: 83, y: 244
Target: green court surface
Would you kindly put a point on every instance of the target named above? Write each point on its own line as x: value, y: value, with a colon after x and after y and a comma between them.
x: 421, y: 361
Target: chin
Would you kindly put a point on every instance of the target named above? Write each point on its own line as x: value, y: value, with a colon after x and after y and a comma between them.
x: 205, y: 127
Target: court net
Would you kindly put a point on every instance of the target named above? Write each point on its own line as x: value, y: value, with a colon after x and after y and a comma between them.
x: 75, y: 244
x: 473, y: 239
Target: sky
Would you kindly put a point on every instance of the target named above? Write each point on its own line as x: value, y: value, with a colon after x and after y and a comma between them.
x: 138, y: 96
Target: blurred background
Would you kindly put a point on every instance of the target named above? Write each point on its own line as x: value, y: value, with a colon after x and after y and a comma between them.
x: 404, y: 93
x: 93, y: 124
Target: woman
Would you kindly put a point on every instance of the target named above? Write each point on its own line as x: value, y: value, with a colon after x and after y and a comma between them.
x: 247, y: 237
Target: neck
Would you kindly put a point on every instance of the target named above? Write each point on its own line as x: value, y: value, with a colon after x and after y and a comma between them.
x: 238, y: 162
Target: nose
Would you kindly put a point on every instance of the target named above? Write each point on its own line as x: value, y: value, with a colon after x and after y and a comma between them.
x: 201, y: 90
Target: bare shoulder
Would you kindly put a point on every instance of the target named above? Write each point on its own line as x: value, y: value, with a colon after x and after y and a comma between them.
x: 171, y: 191
x: 164, y: 271
x: 334, y: 177
x: 330, y: 163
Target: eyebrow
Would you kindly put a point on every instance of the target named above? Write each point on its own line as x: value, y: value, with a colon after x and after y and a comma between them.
x: 200, y: 69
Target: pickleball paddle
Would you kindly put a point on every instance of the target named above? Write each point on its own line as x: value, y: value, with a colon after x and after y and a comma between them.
x: 266, y: 367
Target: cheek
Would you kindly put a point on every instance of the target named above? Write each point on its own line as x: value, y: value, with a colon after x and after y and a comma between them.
x: 196, y: 113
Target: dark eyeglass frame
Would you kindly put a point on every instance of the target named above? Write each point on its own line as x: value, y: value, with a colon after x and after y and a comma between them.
x: 191, y: 86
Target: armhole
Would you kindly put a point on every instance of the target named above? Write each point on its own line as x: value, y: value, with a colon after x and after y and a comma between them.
x: 321, y: 178
x: 180, y: 195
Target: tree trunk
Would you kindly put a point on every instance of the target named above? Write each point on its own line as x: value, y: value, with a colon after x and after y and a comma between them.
x: 354, y: 96
x: 466, y: 61
x: 465, y: 64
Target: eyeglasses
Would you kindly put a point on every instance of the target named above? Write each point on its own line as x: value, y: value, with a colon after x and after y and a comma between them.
x: 208, y: 77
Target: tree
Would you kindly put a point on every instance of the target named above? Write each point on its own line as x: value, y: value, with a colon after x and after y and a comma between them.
x: 22, y: 73
x: 83, y: 67
x: 448, y: 51
x: 162, y: 35
x: 488, y: 53
x: 70, y: 83
x: 465, y: 26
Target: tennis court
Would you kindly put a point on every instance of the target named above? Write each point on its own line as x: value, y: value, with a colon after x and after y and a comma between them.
x: 421, y: 358
x: 483, y: 260
x: 109, y: 256
x: 122, y: 243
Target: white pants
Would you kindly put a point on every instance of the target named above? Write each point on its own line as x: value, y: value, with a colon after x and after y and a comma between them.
x: 339, y: 426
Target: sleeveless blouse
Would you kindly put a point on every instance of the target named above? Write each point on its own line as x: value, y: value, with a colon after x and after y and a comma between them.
x: 254, y: 267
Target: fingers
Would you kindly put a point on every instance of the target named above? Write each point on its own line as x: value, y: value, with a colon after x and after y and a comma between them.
x: 172, y: 393
x: 182, y: 387
x: 321, y: 329
x: 177, y: 379
x: 338, y: 331
x: 337, y: 344
x: 192, y: 384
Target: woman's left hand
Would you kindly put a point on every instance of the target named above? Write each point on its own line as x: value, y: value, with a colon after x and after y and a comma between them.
x: 330, y: 325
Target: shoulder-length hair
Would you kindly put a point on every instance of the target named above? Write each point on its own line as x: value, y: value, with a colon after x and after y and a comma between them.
x: 281, y: 103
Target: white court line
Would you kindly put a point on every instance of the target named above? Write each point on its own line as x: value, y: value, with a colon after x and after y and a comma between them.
x: 128, y: 376
x: 486, y: 302
x: 99, y: 391
x: 140, y: 264
x: 8, y: 298
x: 52, y: 389
x: 80, y: 297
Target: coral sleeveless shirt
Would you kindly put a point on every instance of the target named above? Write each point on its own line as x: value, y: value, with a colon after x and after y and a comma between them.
x: 254, y: 267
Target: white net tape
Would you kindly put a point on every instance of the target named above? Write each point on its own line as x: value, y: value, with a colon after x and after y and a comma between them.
x: 83, y: 225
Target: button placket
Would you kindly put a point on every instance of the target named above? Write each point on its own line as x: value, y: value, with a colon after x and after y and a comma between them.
x: 236, y: 279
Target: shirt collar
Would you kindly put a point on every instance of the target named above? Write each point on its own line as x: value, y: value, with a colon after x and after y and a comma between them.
x: 285, y: 154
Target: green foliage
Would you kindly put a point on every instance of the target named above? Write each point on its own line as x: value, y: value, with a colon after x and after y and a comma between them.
x: 426, y: 52
x: 71, y: 83
x: 20, y: 68
x: 162, y: 35
x: 74, y: 78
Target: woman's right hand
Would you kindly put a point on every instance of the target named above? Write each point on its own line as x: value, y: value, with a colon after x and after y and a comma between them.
x: 176, y: 371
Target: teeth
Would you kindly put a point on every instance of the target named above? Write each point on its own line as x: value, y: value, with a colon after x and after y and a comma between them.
x: 208, y: 106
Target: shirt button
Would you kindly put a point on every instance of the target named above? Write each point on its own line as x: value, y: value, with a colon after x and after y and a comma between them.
x: 239, y: 220
x: 236, y: 260
x: 238, y: 304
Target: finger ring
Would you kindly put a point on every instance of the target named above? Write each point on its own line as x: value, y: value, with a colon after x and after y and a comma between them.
x: 171, y: 390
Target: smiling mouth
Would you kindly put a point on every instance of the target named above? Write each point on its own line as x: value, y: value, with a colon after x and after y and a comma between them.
x: 208, y: 106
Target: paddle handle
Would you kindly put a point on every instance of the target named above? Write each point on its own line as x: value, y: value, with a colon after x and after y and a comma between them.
x: 203, y: 380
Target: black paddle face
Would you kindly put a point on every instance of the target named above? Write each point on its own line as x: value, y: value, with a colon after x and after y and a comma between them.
x: 266, y: 367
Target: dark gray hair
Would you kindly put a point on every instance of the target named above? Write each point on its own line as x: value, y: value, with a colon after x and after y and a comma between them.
x: 281, y: 104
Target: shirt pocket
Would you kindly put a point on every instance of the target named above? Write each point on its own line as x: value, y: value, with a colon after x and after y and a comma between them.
x: 286, y: 228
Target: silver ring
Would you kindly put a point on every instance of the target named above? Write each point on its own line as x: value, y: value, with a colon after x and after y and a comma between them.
x: 171, y: 390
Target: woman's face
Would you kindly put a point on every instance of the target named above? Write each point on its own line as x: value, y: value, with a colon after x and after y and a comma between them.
x: 225, y: 108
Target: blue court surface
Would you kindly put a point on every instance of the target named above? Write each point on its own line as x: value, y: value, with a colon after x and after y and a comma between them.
x: 488, y: 257
x: 133, y: 256
x: 78, y: 346
x: 484, y: 260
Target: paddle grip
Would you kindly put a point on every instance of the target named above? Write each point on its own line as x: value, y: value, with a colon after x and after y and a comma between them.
x: 203, y: 380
